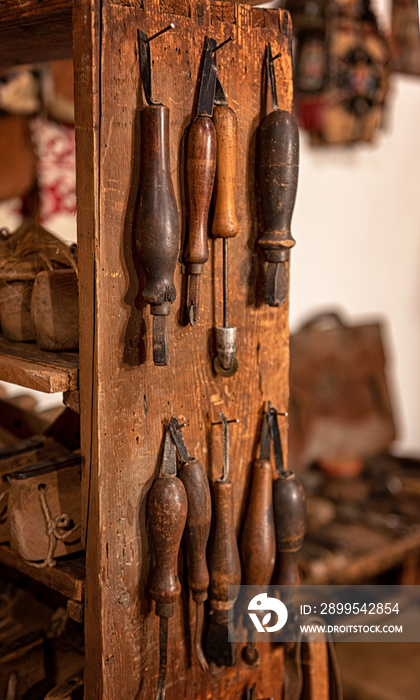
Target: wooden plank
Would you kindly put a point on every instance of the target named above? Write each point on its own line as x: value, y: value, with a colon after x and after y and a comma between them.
x: 87, y: 32
x: 34, y: 30
x: 123, y: 415
x: 366, y: 566
x: 25, y: 364
x: 67, y: 577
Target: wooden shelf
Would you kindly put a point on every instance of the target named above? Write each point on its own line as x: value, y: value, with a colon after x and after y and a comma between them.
x: 35, y: 30
x: 67, y: 577
x: 27, y: 365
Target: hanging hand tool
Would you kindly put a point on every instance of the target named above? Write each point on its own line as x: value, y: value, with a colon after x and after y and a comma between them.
x: 277, y: 166
x: 224, y: 563
x: 167, y: 514
x: 258, y: 545
x: 225, y: 223
x: 157, y: 226
x: 196, y: 532
x: 200, y: 173
x: 289, y: 520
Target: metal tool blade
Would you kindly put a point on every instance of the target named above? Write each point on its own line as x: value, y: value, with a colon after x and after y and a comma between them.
x: 276, y: 284
x: 265, y: 443
x: 271, y: 76
x: 178, y: 439
x: 275, y: 436
x: 220, y: 96
x: 160, y: 340
x: 208, y: 79
x: 145, y: 69
x: 225, y: 445
x: 163, y: 658
x: 169, y: 456
x: 193, y: 298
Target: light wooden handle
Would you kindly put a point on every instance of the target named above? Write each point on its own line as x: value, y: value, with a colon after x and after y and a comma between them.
x: 200, y: 172
x: 225, y: 223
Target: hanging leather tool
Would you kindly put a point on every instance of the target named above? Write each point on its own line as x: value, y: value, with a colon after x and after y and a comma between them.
x: 197, y: 530
x: 225, y: 223
x: 258, y: 545
x: 289, y: 507
x: 167, y: 514
x: 157, y: 225
x: 200, y: 173
x: 277, y: 166
x: 224, y: 562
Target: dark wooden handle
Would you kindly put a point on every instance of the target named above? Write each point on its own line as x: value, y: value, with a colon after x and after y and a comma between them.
x: 225, y: 565
x: 225, y: 223
x: 290, y: 524
x: 157, y: 226
x: 197, y: 528
x: 200, y: 172
x: 277, y: 161
x: 167, y: 510
x: 258, y: 544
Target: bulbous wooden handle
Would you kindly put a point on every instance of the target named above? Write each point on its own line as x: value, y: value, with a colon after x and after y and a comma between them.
x: 225, y: 223
x: 157, y: 225
x: 200, y: 173
x: 167, y: 511
x: 290, y: 524
x: 277, y: 161
x: 258, y: 544
x: 224, y: 561
x: 197, y: 528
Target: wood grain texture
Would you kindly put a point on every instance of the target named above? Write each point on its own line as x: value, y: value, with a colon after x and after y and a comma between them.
x: 35, y: 30
x: 68, y: 577
x: 125, y: 407
x: 55, y: 310
x: 26, y: 520
x: 25, y: 364
x: 15, y: 311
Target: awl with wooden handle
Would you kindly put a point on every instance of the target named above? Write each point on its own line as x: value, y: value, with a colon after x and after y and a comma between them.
x: 224, y: 564
x: 200, y: 173
x: 277, y: 168
x: 258, y: 545
x: 225, y: 222
x: 156, y: 225
x: 196, y: 532
x: 167, y: 514
x: 289, y: 507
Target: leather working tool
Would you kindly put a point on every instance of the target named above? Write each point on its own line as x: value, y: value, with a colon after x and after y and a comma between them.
x: 224, y: 564
x: 258, y: 544
x: 167, y: 514
x: 289, y: 507
x: 200, y: 174
x: 277, y: 167
x: 196, y: 532
x: 225, y: 223
x: 157, y: 225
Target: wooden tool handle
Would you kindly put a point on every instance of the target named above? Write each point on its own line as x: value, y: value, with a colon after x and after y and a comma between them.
x: 258, y: 544
x: 167, y: 510
x: 290, y: 520
x: 197, y: 528
x: 225, y: 565
x: 200, y: 172
x: 277, y: 160
x: 157, y: 226
x: 225, y: 223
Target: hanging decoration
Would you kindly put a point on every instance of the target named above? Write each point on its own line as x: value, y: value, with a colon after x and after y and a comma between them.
x: 406, y: 36
x: 342, y: 70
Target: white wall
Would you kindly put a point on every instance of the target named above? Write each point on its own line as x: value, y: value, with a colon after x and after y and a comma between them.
x: 357, y: 227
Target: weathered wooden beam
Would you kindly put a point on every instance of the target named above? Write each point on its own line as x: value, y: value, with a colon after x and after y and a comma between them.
x: 34, y: 31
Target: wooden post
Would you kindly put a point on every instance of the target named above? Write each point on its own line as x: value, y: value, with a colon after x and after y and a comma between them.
x: 125, y: 399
